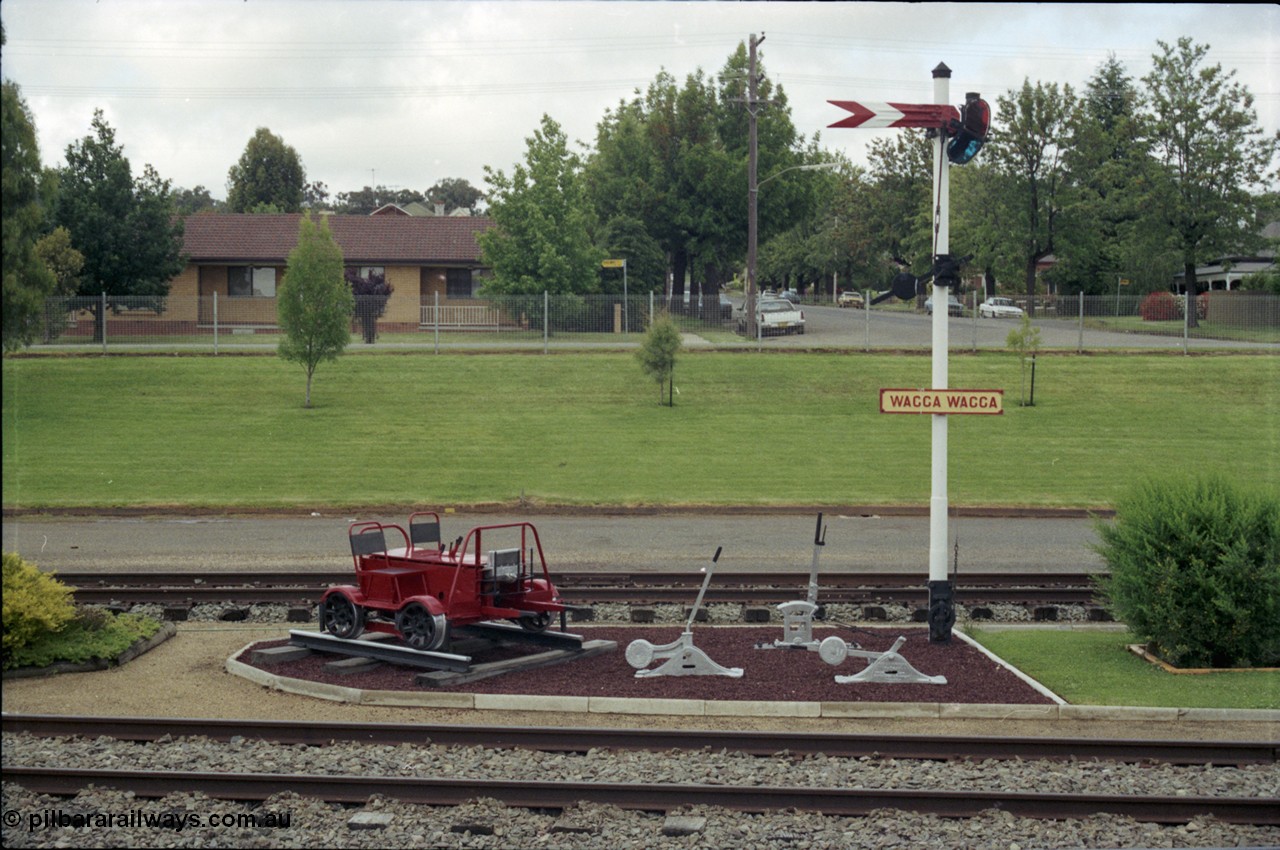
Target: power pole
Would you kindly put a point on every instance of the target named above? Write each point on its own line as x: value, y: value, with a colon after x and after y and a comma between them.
x: 753, y: 189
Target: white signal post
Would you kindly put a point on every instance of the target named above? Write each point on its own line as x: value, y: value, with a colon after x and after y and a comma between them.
x: 941, y: 342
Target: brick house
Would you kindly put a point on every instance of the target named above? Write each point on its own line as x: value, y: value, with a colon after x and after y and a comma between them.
x: 241, y: 259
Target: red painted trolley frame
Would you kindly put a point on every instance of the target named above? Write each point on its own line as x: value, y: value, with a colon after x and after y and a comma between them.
x: 417, y: 590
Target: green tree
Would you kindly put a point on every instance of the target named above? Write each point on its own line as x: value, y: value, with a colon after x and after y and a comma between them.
x: 1025, y: 339
x: 456, y: 194
x: 60, y: 257
x: 657, y: 354
x: 897, y: 209
x: 1109, y: 161
x: 1027, y: 148
x: 541, y: 242
x: 125, y: 228
x: 314, y: 303
x: 27, y: 282
x: 269, y: 177
x: 191, y: 201
x: 1211, y: 154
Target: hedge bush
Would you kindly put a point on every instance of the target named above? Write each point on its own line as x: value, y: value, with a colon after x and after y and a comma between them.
x: 34, y: 603
x: 1159, y: 307
x: 1195, y: 571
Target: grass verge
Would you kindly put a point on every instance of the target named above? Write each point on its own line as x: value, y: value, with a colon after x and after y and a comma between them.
x: 1095, y: 668
x: 587, y: 429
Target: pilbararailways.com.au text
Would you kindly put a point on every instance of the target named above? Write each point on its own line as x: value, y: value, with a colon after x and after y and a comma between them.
x: 50, y: 819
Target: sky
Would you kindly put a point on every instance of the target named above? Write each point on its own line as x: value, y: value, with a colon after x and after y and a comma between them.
x: 407, y: 93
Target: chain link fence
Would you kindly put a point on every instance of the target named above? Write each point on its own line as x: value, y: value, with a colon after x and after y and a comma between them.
x: 1232, y: 320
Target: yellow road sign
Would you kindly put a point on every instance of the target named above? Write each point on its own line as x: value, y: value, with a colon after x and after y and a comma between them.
x: 613, y: 264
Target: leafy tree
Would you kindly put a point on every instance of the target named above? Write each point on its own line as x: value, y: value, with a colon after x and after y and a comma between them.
x: 657, y: 354
x: 1108, y: 159
x: 125, y: 228
x: 1028, y: 143
x: 541, y: 241
x: 314, y: 303
x: 1211, y: 153
x: 897, y: 210
x: 65, y: 262
x: 191, y: 201
x: 456, y: 194
x: 371, y: 292
x: 269, y: 177
x: 625, y: 237
x: 315, y: 195
x: 27, y: 282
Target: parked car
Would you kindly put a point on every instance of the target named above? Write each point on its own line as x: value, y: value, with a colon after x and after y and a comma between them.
x: 954, y: 307
x: 776, y: 315
x: 791, y: 295
x: 999, y: 308
x: 852, y: 298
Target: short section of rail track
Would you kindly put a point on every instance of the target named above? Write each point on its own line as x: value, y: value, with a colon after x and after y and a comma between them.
x: 581, y: 740
x: 649, y: 796
x: 584, y: 588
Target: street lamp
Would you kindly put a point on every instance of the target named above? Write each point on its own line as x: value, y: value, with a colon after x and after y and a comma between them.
x: 752, y: 194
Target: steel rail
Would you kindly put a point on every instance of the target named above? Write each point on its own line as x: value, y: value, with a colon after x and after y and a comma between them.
x: 584, y: 588
x: 573, y: 739
x: 553, y: 794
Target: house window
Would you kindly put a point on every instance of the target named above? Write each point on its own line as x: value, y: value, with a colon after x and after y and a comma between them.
x: 458, y: 283
x: 366, y: 271
x: 251, y: 282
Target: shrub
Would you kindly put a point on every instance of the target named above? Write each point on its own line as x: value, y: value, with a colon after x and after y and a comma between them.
x: 1195, y: 571
x: 1159, y: 307
x: 34, y: 603
x: 93, y: 634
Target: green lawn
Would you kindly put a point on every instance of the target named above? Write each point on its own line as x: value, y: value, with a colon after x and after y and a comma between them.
x: 1095, y: 668
x: 586, y: 428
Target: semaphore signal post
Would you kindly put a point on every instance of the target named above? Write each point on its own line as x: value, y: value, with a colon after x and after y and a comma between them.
x: 960, y: 134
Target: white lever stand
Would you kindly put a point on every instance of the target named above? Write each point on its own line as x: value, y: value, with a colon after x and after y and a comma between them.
x: 797, y: 615
x: 886, y: 667
x: 682, y: 658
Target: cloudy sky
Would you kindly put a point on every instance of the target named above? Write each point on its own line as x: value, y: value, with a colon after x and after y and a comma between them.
x: 406, y: 93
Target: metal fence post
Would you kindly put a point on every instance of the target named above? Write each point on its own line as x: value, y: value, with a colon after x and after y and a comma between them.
x: 104, y: 322
x: 1080, y: 343
x: 546, y: 307
x: 866, y: 308
x: 215, y: 322
x: 435, y: 317
x: 650, y: 308
x: 1189, y: 304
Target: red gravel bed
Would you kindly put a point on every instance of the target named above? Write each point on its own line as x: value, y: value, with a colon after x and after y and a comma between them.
x: 778, y: 674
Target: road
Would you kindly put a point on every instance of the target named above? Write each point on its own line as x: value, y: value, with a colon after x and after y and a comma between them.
x: 881, y: 329
x: 675, y: 542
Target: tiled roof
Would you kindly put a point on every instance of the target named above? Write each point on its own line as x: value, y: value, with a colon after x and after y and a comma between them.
x: 364, y: 240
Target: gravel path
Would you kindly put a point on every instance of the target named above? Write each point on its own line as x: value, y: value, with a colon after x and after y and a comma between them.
x: 185, y: 677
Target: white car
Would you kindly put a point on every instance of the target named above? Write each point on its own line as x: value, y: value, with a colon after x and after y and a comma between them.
x: 777, y: 315
x: 999, y: 308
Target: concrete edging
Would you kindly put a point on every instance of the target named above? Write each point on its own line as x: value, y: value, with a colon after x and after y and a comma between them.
x: 733, y: 708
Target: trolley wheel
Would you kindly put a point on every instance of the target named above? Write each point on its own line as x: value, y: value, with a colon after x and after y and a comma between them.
x: 420, y: 628
x: 341, y: 617
x: 536, y: 622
